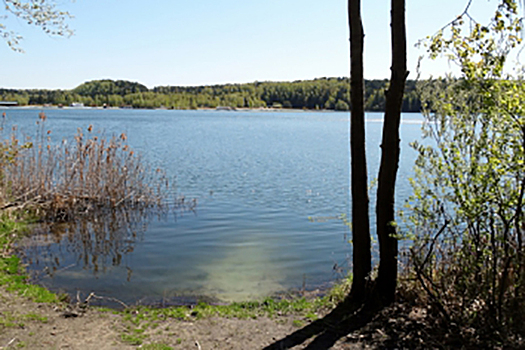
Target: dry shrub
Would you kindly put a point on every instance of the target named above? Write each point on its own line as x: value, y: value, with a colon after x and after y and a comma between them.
x: 474, y: 289
x: 89, y: 174
x: 92, y: 193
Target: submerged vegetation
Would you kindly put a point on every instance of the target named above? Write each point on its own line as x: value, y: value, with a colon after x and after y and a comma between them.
x: 323, y: 93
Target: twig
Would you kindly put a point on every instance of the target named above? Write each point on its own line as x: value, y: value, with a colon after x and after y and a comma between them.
x: 125, y: 198
x: 93, y: 295
x: 464, y: 13
x: 420, y: 274
x: 10, y: 342
x: 434, y: 242
x: 22, y: 205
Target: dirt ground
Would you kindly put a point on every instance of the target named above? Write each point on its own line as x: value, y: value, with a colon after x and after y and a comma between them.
x: 29, y: 325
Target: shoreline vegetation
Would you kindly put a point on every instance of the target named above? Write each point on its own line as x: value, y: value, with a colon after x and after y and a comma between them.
x: 30, y: 315
x: 100, y: 180
x: 313, y: 95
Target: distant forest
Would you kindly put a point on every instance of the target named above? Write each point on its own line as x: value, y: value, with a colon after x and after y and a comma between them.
x: 322, y: 93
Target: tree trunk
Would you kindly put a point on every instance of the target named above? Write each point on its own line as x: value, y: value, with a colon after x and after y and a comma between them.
x: 386, y: 229
x: 359, y: 177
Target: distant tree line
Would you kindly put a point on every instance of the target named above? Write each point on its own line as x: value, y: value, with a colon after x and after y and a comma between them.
x: 317, y: 94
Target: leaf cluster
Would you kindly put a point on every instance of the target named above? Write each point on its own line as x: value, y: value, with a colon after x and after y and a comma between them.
x: 40, y: 13
x: 469, y: 193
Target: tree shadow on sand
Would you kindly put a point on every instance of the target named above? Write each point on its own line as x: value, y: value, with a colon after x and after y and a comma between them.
x: 347, y: 317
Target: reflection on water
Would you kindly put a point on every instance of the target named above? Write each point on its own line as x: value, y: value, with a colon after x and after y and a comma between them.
x: 258, y: 178
x: 96, y: 241
x: 248, y: 270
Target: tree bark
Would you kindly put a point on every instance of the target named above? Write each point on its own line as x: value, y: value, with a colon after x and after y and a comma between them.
x: 390, y: 149
x: 359, y: 177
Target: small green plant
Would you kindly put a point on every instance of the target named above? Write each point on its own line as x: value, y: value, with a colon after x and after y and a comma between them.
x: 139, y: 330
x: 338, y: 292
x: 298, y: 323
x: 8, y: 321
x: 132, y: 339
x: 311, y: 316
x: 156, y: 346
x: 36, y: 317
x: 11, y: 320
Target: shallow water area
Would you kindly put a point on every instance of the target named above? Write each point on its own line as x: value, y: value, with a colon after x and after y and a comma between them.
x: 269, y: 188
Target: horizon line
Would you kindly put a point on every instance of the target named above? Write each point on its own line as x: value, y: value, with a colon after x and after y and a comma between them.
x: 189, y: 85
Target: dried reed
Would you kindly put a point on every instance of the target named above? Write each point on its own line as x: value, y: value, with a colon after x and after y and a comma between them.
x: 90, y: 174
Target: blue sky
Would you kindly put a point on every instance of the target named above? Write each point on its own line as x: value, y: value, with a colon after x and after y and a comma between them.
x: 202, y: 42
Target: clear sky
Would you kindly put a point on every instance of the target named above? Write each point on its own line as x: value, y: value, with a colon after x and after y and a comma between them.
x: 203, y: 42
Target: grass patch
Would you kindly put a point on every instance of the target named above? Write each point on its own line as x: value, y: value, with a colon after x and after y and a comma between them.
x: 12, y: 273
x: 35, y: 317
x: 143, y: 317
x: 156, y: 346
x: 133, y: 339
x: 9, y: 321
x: 298, y: 323
x: 311, y: 316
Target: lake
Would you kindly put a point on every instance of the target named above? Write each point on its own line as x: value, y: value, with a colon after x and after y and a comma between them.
x: 268, y: 184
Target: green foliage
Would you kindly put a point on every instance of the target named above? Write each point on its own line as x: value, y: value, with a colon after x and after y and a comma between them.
x: 11, y: 271
x: 106, y: 88
x: 36, y: 317
x: 7, y: 320
x: 156, y: 346
x: 341, y: 106
x: 133, y: 339
x: 323, y: 93
x: 468, y: 202
x: 298, y: 323
x: 42, y: 13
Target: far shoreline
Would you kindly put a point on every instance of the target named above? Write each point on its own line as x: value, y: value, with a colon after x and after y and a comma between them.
x: 205, y: 109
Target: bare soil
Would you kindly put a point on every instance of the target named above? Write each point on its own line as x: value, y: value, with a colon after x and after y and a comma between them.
x: 30, y: 325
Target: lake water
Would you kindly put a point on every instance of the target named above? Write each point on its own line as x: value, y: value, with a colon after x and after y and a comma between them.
x: 258, y: 178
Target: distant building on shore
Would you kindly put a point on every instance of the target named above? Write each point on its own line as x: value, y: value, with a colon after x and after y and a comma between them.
x: 8, y: 103
x: 225, y: 108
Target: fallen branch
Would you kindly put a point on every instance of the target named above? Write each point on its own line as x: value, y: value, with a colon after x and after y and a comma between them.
x: 93, y: 295
x: 8, y: 344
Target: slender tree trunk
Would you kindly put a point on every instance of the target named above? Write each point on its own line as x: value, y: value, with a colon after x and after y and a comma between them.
x: 360, y: 215
x: 386, y: 229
